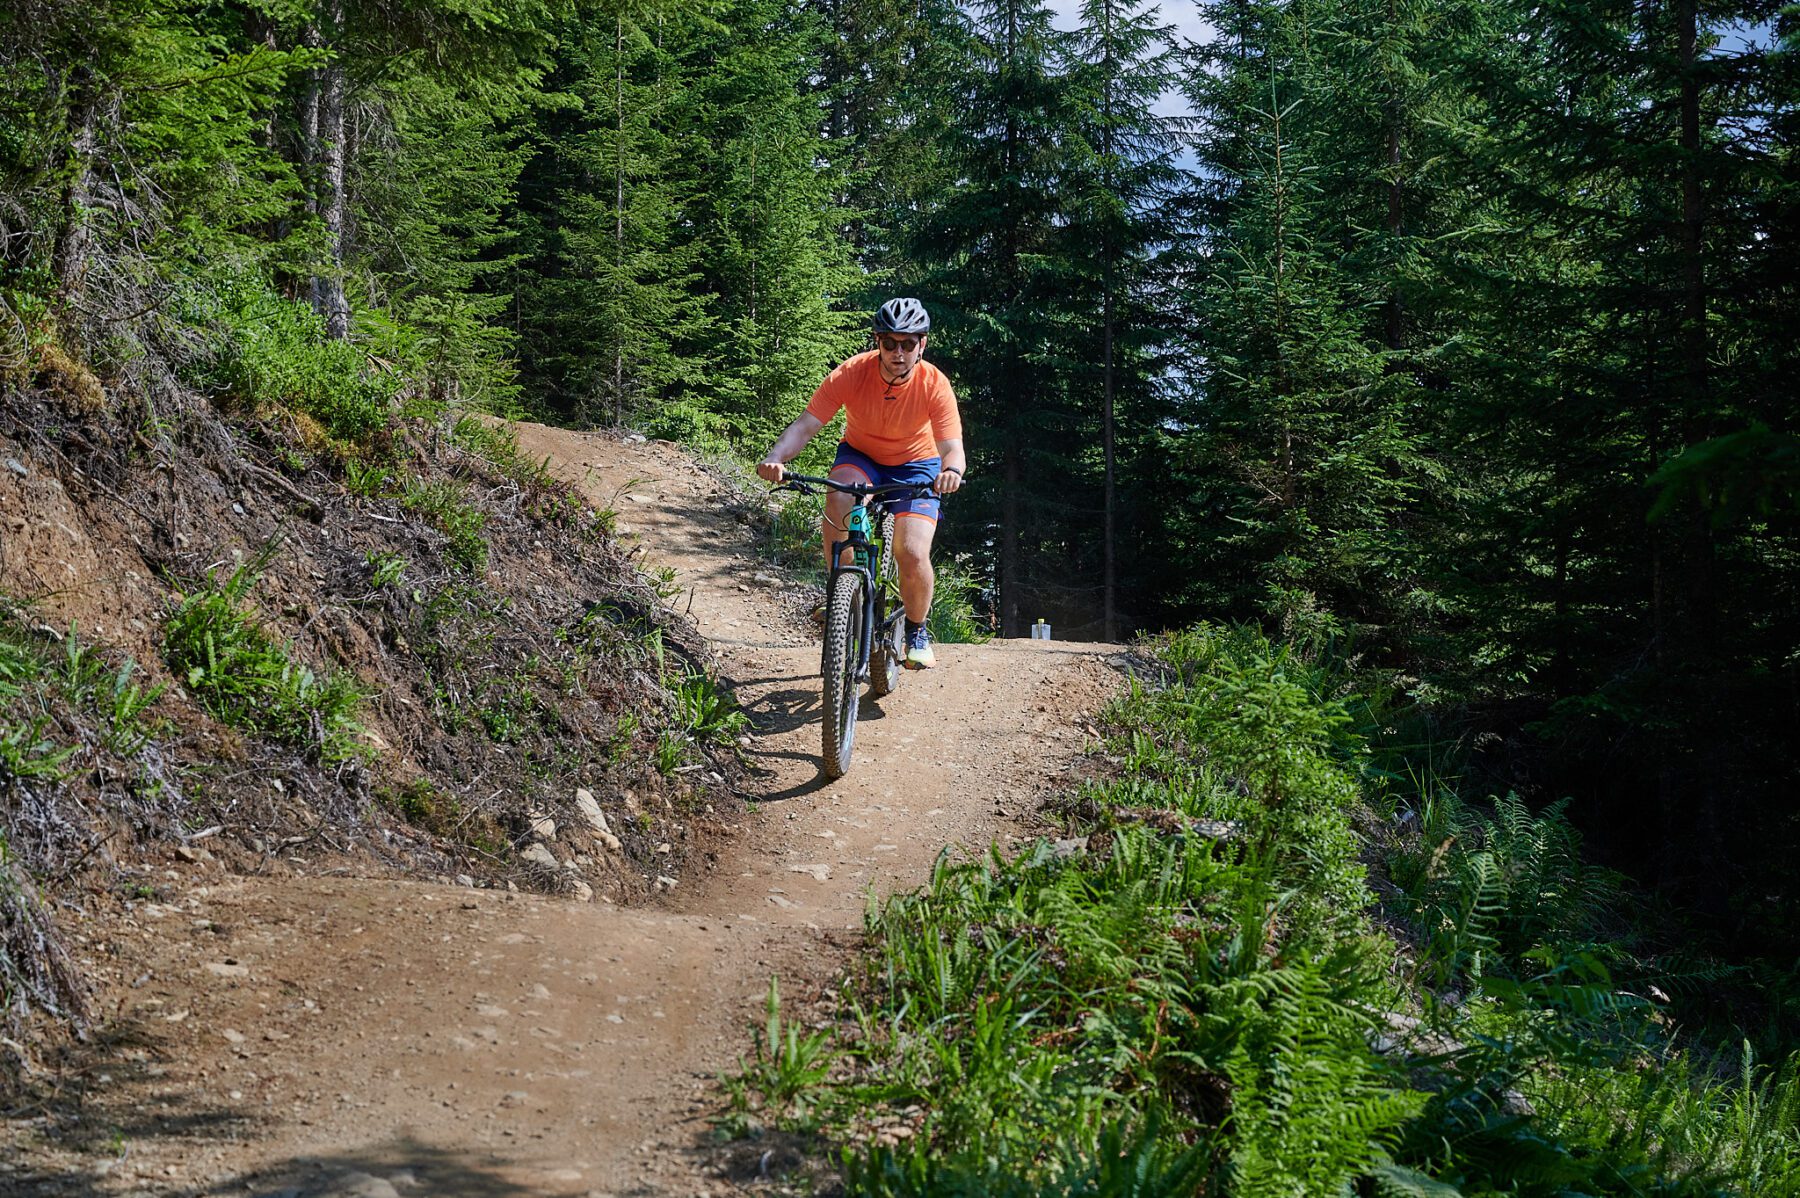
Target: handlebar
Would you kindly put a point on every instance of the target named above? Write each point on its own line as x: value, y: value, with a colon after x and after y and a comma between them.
x: 808, y: 484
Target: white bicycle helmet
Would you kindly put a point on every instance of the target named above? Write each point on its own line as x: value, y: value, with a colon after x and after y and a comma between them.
x: 902, y: 316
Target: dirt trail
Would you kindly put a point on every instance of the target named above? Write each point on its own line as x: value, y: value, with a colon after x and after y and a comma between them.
x: 340, y: 1036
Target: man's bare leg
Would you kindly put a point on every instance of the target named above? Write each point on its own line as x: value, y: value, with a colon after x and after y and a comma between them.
x: 912, y: 552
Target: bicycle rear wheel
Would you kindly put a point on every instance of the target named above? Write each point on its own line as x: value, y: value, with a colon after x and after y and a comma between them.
x: 843, y: 651
x: 890, y: 647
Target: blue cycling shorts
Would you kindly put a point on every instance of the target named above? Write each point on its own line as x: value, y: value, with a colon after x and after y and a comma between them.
x: 925, y: 470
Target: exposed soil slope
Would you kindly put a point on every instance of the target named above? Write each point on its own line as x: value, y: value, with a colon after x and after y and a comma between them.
x: 347, y: 1036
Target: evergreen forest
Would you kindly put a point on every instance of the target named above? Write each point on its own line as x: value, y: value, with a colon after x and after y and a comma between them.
x: 1422, y: 376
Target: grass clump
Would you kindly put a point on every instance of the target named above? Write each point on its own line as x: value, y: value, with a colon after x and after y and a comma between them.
x: 445, y: 504
x: 953, y: 619
x: 36, y: 673
x: 498, y: 445
x: 243, y: 676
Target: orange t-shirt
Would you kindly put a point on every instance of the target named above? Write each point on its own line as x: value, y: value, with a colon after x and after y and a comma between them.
x: 893, y: 425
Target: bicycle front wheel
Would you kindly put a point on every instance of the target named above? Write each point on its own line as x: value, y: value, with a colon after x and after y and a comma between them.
x: 843, y: 652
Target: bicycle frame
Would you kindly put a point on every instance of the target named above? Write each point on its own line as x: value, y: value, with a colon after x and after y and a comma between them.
x: 862, y: 554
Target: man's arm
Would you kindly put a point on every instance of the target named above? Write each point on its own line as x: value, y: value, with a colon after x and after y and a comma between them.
x: 790, y: 443
x: 950, y: 475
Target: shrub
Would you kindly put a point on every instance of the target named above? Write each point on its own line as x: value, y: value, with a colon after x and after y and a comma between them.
x: 953, y: 617
x: 264, y: 350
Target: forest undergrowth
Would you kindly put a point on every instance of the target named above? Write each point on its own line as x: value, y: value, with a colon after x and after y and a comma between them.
x: 1260, y: 963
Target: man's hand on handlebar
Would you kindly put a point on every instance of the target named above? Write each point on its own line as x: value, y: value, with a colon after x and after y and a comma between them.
x: 770, y: 471
x: 947, y: 481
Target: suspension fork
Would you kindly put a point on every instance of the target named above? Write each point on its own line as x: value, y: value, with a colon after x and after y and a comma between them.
x: 856, y: 529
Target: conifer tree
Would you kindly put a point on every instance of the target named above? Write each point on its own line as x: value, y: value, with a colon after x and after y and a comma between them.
x: 1297, y: 439
x: 1116, y: 253
x: 610, y: 297
x: 771, y: 243
x: 981, y: 250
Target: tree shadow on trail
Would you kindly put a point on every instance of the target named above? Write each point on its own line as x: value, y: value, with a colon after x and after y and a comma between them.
x: 408, y: 1166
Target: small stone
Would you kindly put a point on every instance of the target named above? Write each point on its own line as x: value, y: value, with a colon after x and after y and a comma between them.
x: 583, y: 892
x: 664, y: 882
x: 361, y: 1185
x: 589, y: 809
x: 232, y: 1035
x: 465, y: 880
x: 542, y: 826
x: 17, y: 467
x: 228, y: 969
x: 537, y: 854
x: 665, y: 847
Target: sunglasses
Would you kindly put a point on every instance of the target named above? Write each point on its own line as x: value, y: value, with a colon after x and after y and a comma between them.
x: 890, y: 344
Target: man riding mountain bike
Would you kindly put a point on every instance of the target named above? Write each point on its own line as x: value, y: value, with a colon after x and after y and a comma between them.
x: 901, y: 426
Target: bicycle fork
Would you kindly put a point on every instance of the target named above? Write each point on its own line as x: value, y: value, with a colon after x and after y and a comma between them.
x: 856, y: 528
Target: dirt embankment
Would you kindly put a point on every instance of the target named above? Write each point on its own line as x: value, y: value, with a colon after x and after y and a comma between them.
x: 356, y: 1035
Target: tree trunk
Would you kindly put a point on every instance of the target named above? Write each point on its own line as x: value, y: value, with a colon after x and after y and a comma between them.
x: 1109, y: 621
x: 1010, y: 623
x: 330, y: 150
x: 618, y: 362
x: 74, y: 241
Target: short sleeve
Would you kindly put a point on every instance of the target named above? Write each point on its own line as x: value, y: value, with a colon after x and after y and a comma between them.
x: 830, y: 396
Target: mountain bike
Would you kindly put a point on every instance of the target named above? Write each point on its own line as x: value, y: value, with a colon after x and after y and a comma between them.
x: 865, y: 631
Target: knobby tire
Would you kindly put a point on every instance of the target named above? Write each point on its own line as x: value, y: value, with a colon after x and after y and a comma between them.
x: 890, y: 649
x: 843, y: 615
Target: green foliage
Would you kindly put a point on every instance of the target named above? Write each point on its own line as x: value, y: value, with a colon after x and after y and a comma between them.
x: 705, y: 710
x: 76, y: 672
x: 28, y: 755
x: 266, y: 351
x: 370, y: 480
x: 240, y: 674
x: 785, y: 1065
x: 497, y: 444
x: 1486, y: 892
x: 953, y: 618
x: 671, y: 751
x: 385, y: 569
x: 444, y: 502
x: 1125, y: 1163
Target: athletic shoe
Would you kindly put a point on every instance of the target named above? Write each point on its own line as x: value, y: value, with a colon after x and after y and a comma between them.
x: 918, y: 649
